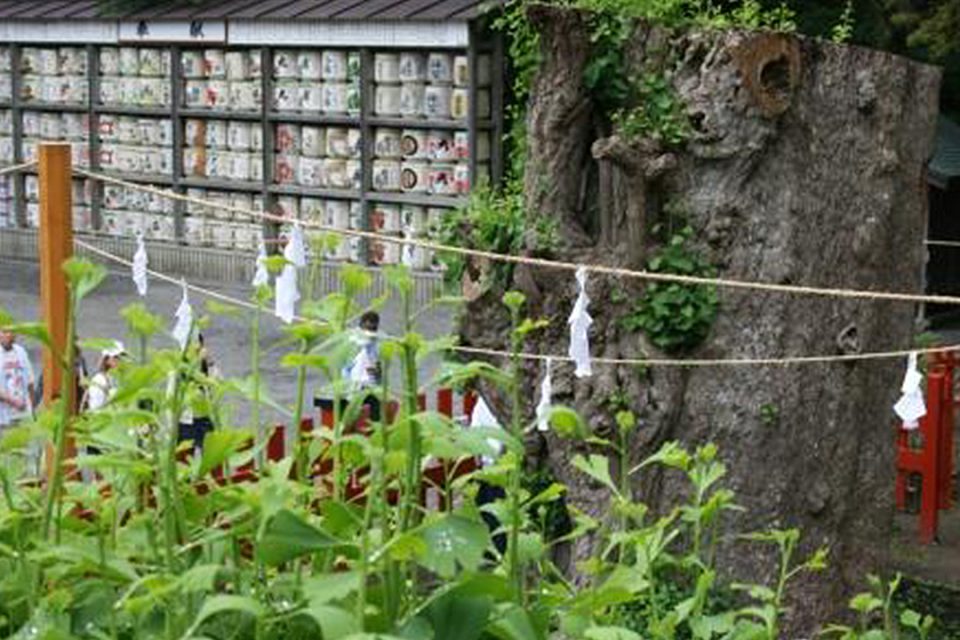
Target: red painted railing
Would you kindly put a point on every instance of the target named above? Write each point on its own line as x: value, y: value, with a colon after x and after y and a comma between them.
x: 933, y: 459
x: 435, y: 476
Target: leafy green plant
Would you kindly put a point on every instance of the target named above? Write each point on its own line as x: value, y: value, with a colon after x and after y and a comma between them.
x: 842, y: 32
x: 164, y: 545
x: 495, y: 220
x: 769, y: 414
x: 659, y: 114
x: 877, y: 617
x: 675, y: 316
x: 523, y: 52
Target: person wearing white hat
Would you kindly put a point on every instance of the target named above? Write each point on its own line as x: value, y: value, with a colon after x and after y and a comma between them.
x: 103, y: 384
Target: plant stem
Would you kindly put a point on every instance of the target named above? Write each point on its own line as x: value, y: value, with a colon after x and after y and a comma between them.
x: 516, y: 429
x: 411, y: 493
x: 301, y: 455
x: 255, y: 371
x: 391, y: 578
x: 55, y: 490
x: 516, y: 470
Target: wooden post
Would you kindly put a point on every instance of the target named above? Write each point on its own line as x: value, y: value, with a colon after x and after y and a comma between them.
x: 56, y: 246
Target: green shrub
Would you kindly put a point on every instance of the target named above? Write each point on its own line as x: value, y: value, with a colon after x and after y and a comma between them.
x: 674, y: 316
x: 495, y: 220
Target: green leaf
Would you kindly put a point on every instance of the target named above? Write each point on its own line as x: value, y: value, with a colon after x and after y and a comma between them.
x: 334, y: 622
x: 355, y: 279
x: 329, y: 587
x: 514, y: 300
x: 598, y: 468
x: 219, y: 445
x: 567, y: 423
x: 554, y: 492
x: 141, y: 321
x: 218, y: 604
x: 453, y: 541
x: 865, y: 603
x: 611, y: 633
x: 458, y: 616
x: 202, y: 578
x: 33, y: 330
x: 513, y: 623
x: 83, y: 276
x: 288, y: 536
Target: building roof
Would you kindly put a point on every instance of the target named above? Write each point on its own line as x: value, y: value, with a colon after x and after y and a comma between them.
x: 945, y: 163
x: 250, y: 10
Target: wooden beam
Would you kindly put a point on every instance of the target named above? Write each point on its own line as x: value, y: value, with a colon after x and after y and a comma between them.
x: 56, y: 246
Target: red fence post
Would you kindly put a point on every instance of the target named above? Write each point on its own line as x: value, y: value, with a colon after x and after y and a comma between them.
x: 445, y: 402
x: 276, y: 445
x: 930, y: 426
x: 947, y: 428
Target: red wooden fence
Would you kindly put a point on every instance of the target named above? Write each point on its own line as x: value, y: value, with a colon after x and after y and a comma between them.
x: 435, y: 476
x: 933, y: 460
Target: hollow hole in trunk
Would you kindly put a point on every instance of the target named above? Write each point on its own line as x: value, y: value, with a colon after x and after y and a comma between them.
x: 775, y: 78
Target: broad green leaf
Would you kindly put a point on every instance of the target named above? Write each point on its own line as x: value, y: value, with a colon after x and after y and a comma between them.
x: 288, y: 536
x: 514, y: 300
x: 202, y: 578
x: 530, y: 547
x: 356, y: 279
x: 218, y: 604
x: 611, y: 633
x: 712, y: 626
x: 513, y: 623
x: 458, y: 616
x: 671, y: 454
x: 334, y: 622
x: 33, y: 330
x: 454, y: 541
x: 554, y: 492
x: 83, y: 276
x: 865, y: 603
x: 417, y: 629
x: 141, y: 321
x: 324, y: 588
x: 598, y: 468
x: 219, y: 445
x: 567, y: 423
x: 17, y: 438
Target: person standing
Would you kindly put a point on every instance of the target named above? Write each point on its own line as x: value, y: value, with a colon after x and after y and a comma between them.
x: 196, y: 421
x: 81, y: 374
x: 364, y: 371
x: 103, y: 384
x: 16, y: 382
x: 16, y: 392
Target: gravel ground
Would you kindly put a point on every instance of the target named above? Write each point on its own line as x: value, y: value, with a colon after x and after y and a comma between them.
x: 227, y: 337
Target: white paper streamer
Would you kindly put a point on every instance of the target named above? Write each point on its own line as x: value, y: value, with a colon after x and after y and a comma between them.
x: 482, y: 416
x: 296, y: 249
x: 546, y: 390
x: 184, y: 315
x: 261, y: 276
x: 140, y: 263
x: 287, y: 293
x: 911, y: 406
x: 580, y: 322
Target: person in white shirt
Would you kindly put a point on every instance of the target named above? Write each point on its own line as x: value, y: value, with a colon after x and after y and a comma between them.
x: 363, y: 372
x: 16, y: 382
x: 103, y: 385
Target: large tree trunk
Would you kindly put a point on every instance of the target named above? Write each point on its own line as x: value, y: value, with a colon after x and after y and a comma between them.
x: 806, y: 167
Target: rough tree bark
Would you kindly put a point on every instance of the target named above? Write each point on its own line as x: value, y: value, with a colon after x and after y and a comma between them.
x: 806, y: 166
